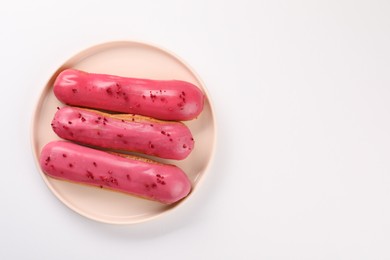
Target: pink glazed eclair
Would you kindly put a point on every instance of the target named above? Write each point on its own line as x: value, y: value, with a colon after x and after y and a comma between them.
x: 128, y: 174
x: 161, y: 99
x: 165, y: 139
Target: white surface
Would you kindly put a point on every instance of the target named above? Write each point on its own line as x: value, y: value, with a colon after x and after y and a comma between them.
x: 301, y: 91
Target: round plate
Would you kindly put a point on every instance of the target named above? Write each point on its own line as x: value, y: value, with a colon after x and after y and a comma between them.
x: 128, y: 59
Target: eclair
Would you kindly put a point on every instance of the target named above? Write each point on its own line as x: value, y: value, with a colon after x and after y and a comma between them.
x: 162, y: 99
x: 127, y: 174
x: 164, y: 139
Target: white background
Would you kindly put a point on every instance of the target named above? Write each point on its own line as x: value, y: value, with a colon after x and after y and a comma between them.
x: 302, y: 97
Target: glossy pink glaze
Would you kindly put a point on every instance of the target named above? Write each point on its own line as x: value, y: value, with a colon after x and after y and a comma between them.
x: 162, y: 99
x: 165, y: 139
x: 147, y: 179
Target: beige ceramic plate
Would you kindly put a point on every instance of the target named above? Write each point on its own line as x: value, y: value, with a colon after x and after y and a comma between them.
x: 131, y: 59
